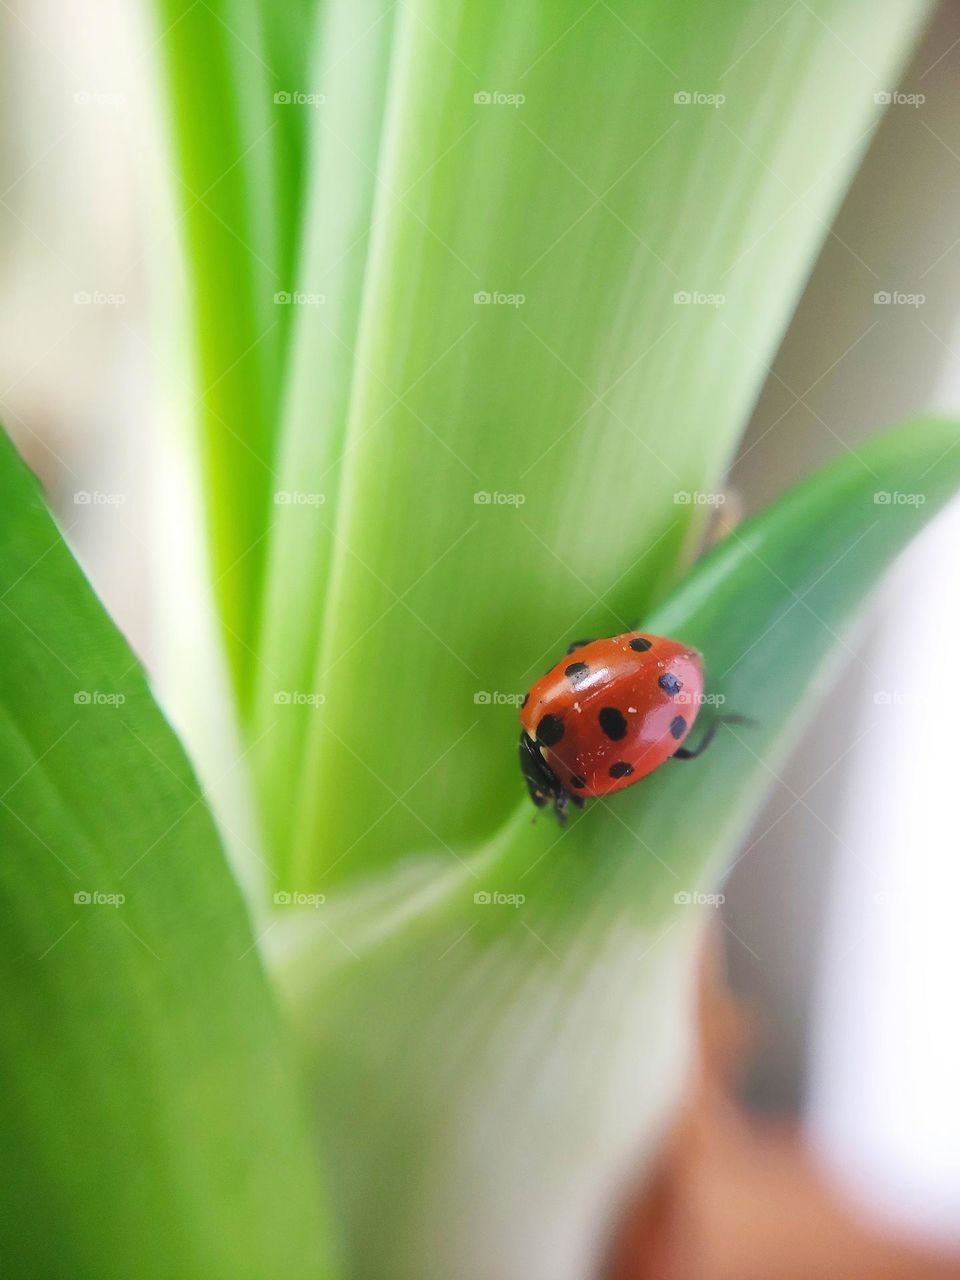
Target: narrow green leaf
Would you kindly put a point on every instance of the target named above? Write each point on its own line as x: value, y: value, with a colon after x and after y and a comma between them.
x: 150, y: 1115
x: 240, y: 132
x: 346, y: 137
x: 534, y: 1002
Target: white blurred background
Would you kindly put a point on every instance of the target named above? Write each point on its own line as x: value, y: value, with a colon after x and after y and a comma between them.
x: 839, y: 920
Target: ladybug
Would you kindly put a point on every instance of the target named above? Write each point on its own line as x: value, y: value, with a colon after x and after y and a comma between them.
x: 608, y: 714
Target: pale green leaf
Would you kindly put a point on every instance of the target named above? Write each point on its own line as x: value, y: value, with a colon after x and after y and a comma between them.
x: 513, y: 1027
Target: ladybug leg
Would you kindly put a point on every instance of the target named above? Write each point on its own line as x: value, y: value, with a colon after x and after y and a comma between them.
x: 691, y: 753
x: 562, y: 801
x: 577, y: 644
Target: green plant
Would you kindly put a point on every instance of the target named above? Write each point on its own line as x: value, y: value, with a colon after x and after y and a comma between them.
x: 477, y: 1074
x: 151, y: 1115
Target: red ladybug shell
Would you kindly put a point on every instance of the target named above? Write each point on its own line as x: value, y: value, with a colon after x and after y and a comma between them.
x: 613, y: 710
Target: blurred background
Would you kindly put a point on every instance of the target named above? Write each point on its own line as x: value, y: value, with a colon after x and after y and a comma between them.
x: 838, y: 925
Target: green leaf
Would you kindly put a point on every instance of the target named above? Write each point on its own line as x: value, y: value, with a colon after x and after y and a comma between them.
x: 400, y: 599
x: 151, y: 1118
x: 536, y: 1047
x: 239, y: 185
x: 345, y: 140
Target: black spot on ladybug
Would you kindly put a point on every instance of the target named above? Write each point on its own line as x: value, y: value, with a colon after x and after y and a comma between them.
x: 640, y: 645
x: 669, y: 683
x: 577, y: 781
x: 677, y: 726
x: 577, y: 644
x: 612, y: 723
x: 526, y: 699
x: 621, y: 769
x: 550, y: 730
x: 576, y: 673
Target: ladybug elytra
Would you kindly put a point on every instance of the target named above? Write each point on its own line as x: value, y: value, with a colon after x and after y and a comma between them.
x: 608, y: 714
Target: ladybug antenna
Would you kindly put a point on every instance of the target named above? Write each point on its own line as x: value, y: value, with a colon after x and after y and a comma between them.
x: 691, y: 753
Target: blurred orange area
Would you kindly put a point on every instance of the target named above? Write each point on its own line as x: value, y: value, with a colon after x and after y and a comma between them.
x: 734, y: 1198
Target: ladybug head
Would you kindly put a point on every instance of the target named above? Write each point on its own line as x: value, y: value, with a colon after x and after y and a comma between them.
x: 541, y: 781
